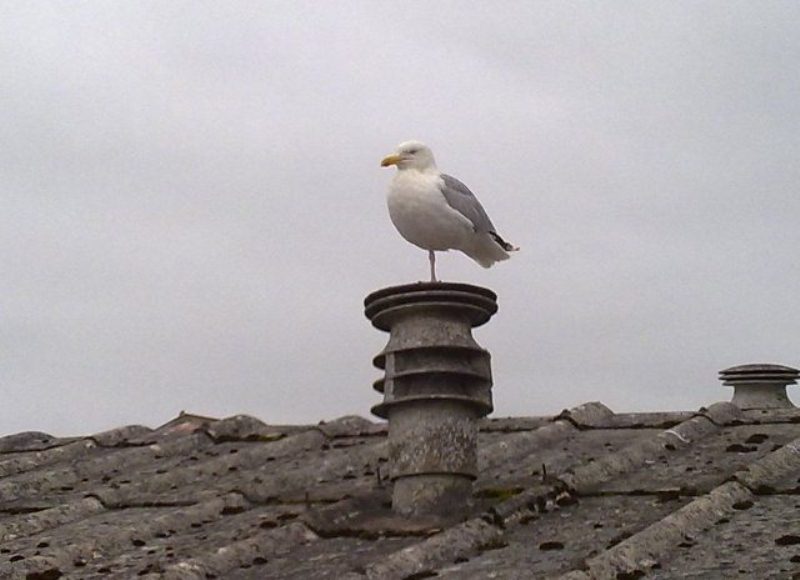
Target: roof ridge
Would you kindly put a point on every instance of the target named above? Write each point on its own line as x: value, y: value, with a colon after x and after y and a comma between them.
x: 588, y: 476
x: 642, y: 550
x: 585, y: 477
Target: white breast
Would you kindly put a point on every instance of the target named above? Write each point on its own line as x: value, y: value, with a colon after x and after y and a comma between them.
x: 421, y: 214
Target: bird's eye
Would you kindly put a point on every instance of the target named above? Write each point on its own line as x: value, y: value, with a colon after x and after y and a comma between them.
x: 412, y: 151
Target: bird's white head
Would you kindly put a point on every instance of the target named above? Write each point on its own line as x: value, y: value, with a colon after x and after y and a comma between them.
x: 411, y: 155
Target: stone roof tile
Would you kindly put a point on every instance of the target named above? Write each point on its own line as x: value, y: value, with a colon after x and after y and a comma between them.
x: 244, y: 428
x: 458, y: 542
x: 121, y: 436
x: 352, y: 426
x: 31, y: 441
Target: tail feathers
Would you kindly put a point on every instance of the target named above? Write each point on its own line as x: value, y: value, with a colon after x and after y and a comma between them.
x: 490, y: 248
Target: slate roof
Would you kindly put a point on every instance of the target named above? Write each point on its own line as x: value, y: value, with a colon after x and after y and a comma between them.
x: 585, y: 494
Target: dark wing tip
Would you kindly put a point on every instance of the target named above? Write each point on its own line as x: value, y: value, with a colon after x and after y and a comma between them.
x: 502, y: 243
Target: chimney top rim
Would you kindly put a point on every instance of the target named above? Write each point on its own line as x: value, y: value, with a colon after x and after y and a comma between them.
x: 429, y: 287
x: 759, y: 369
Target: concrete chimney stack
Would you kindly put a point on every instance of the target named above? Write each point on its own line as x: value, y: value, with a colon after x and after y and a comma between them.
x: 437, y: 384
x: 760, y: 386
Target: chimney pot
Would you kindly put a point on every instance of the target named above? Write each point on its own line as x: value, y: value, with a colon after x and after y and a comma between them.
x: 760, y: 386
x: 437, y: 383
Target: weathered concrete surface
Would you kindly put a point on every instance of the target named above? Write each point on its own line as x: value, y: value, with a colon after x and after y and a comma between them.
x: 544, y: 544
x: 703, y: 494
x: 460, y: 541
x: 437, y: 383
x: 642, y: 551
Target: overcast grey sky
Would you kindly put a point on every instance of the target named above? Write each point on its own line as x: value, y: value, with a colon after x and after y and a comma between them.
x: 192, y: 209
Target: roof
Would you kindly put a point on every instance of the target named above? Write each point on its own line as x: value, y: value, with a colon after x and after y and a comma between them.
x: 585, y: 494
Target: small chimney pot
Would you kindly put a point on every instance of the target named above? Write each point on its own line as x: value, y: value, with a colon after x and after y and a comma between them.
x: 760, y: 386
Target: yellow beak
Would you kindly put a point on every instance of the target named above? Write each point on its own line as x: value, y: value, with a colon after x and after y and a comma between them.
x: 392, y: 159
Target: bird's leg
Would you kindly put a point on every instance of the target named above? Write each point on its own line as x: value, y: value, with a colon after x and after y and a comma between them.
x: 432, y: 259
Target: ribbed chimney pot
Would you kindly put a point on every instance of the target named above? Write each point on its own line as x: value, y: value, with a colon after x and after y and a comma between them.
x: 437, y: 382
x: 760, y: 386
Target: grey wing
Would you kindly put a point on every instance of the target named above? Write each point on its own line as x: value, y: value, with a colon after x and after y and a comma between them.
x: 460, y: 198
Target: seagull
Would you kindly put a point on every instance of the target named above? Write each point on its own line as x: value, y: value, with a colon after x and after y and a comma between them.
x: 437, y: 212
